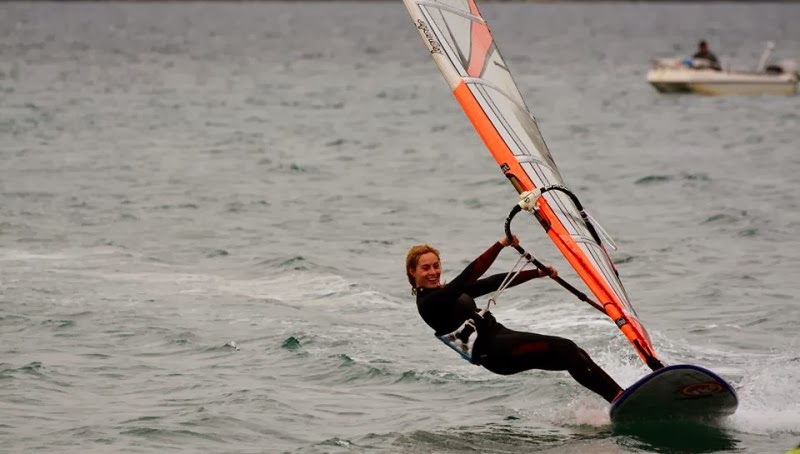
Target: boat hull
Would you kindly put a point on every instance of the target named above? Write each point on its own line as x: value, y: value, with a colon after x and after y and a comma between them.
x: 722, y: 83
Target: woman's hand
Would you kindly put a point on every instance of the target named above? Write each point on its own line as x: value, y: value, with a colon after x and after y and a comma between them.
x: 504, y: 241
x: 553, y: 271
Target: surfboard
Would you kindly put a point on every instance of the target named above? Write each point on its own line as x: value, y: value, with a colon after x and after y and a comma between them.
x: 675, y: 392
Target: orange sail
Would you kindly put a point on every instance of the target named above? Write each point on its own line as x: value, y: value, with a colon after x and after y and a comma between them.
x: 463, y: 48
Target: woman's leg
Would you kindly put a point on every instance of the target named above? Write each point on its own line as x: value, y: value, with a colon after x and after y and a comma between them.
x: 509, y: 352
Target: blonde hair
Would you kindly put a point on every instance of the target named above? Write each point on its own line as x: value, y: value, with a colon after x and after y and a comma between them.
x: 412, y: 259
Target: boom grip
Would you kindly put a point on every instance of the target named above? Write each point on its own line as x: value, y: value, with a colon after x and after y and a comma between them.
x: 581, y: 296
x: 510, y: 237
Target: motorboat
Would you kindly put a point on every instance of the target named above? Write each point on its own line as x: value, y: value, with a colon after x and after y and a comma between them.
x: 693, y: 75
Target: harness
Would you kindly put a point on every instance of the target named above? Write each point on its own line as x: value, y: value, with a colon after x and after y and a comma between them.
x: 463, y: 339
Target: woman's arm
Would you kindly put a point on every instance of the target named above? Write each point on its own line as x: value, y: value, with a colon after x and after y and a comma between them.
x: 480, y: 265
x: 492, y: 283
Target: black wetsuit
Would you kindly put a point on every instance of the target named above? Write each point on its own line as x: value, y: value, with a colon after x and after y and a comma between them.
x: 499, y: 349
x: 707, y: 55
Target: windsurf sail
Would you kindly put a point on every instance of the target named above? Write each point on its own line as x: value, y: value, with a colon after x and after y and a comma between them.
x: 461, y: 44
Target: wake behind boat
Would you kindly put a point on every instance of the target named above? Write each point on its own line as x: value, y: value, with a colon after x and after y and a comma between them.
x: 692, y: 75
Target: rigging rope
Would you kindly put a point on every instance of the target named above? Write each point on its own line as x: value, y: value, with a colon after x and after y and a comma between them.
x: 507, y: 280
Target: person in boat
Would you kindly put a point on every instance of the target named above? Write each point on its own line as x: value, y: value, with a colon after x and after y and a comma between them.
x: 705, y: 54
x: 451, y: 311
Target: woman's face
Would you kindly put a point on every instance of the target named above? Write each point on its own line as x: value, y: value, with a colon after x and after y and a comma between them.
x: 428, y: 271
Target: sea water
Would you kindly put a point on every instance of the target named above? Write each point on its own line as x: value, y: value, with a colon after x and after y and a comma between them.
x: 205, y: 210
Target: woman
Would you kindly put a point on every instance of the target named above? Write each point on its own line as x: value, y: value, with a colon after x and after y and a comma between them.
x: 450, y: 308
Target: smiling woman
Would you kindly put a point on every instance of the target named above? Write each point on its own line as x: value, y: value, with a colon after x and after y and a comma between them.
x: 426, y: 265
x: 451, y: 311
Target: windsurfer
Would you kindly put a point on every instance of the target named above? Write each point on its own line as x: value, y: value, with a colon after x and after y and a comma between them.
x: 448, y: 308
